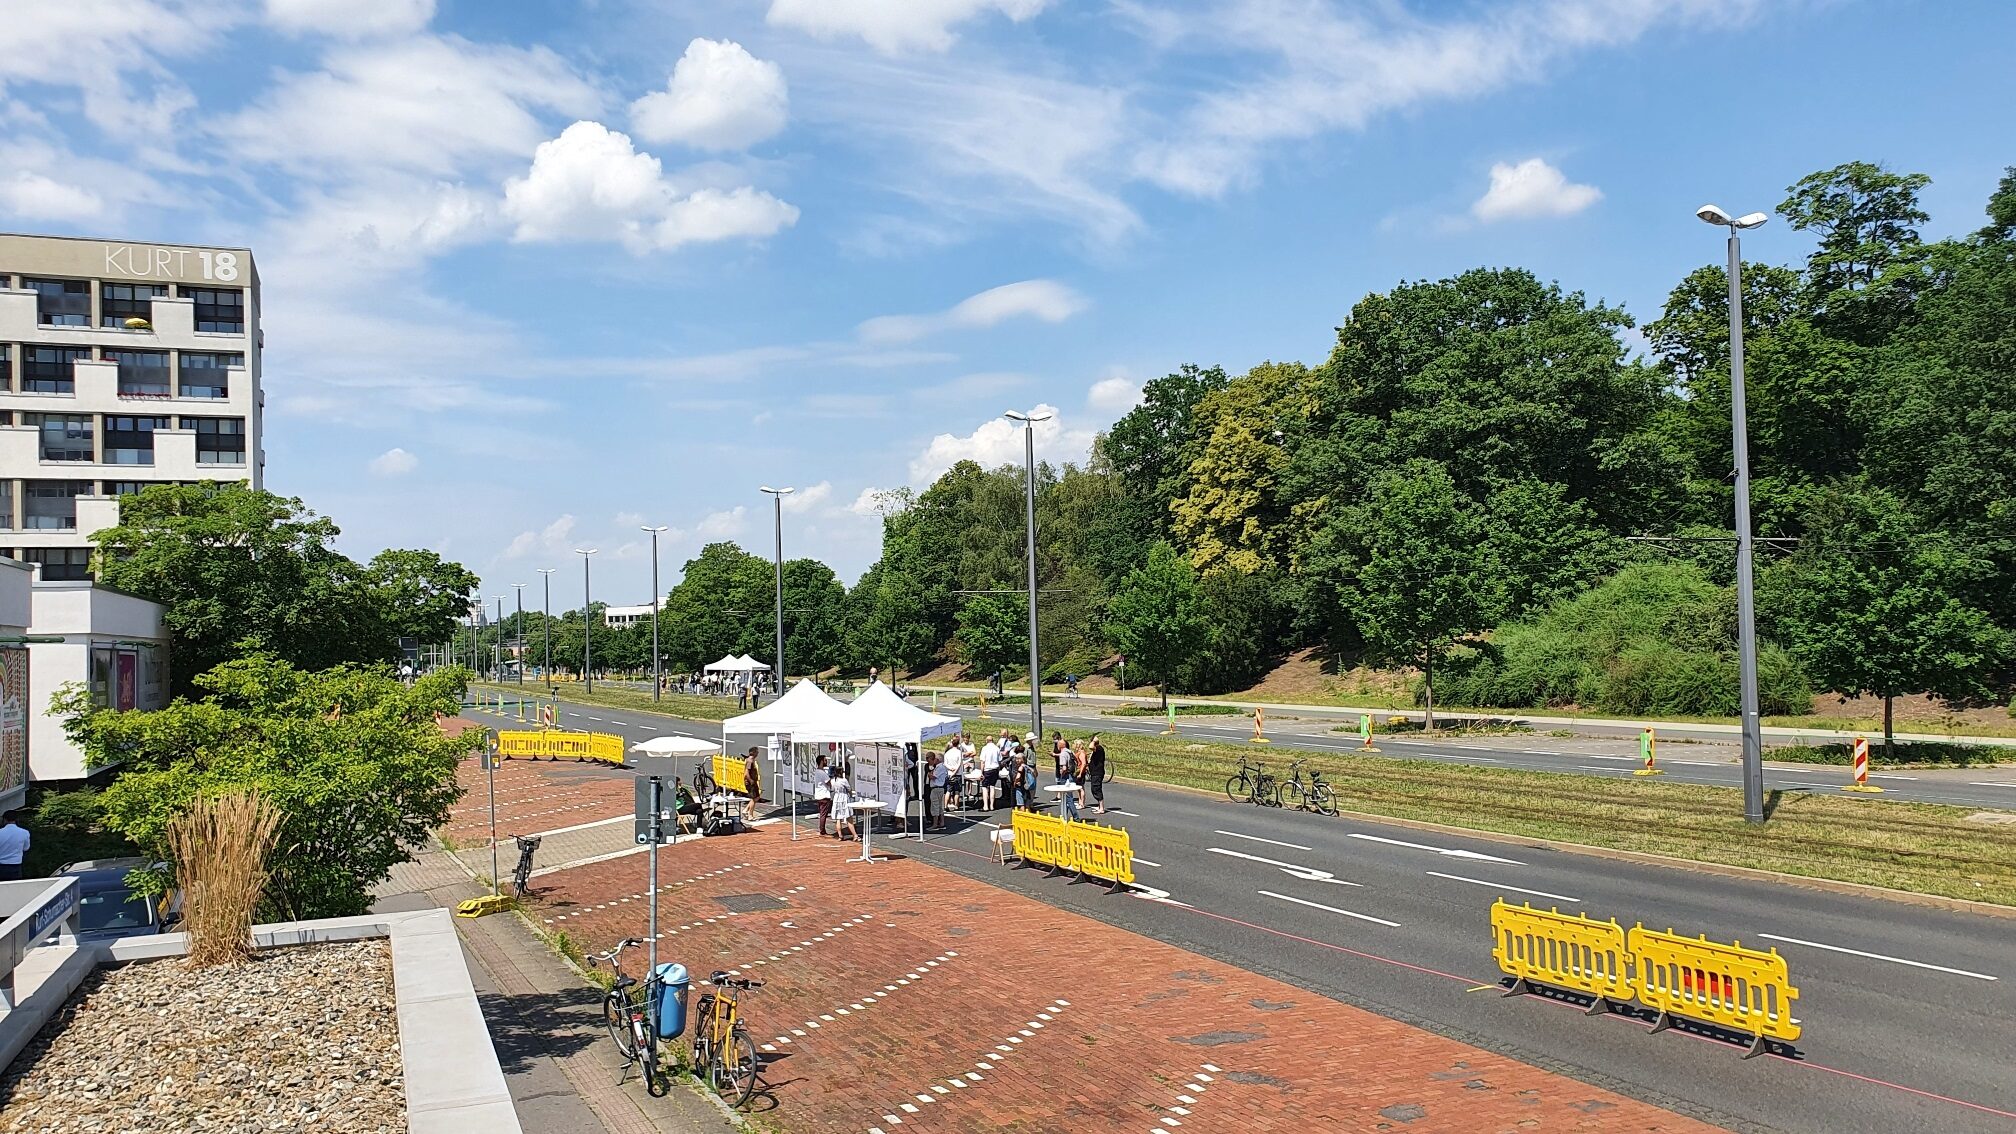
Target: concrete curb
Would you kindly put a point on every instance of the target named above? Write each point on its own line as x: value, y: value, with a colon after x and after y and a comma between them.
x: 1829, y: 885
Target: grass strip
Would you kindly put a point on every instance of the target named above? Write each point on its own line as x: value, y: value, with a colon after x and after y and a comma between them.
x: 1181, y: 711
x: 686, y: 706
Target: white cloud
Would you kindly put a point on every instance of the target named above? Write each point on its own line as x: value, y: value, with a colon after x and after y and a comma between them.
x: 429, y: 104
x: 893, y: 26
x: 808, y: 498
x: 629, y: 519
x: 112, y: 52
x: 552, y: 537
x: 394, y: 462
x: 1115, y: 394
x: 720, y: 98
x: 877, y: 502
x: 1531, y: 189
x: 590, y: 183
x: 31, y: 195
x: 999, y: 442
x: 350, y: 19
x: 723, y: 525
x: 1045, y: 300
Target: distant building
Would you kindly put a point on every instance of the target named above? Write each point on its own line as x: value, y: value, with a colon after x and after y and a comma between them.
x: 617, y: 617
x: 121, y: 365
x: 16, y: 610
x: 112, y: 643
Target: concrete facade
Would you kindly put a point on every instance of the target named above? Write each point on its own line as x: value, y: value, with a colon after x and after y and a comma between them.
x: 617, y: 617
x: 92, y: 408
x: 16, y: 701
x: 112, y: 642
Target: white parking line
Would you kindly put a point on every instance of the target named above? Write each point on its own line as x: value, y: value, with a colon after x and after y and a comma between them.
x: 1503, y: 886
x: 1877, y: 957
x: 1258, y: 839
x: 1329, y: 909
x: 1449, y: 852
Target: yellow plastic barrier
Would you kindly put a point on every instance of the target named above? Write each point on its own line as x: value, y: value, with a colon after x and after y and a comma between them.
x: 1740, y: 989
x: 727, y: 773
x: 1045, y: 840
x: 1103, y: 852
x: 554, y: 745
x: 1561, y: 951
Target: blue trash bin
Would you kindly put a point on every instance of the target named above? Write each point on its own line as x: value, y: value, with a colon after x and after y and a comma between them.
x: 673, y: 985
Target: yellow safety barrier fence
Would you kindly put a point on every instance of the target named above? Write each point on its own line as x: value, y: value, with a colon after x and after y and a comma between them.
x: 727, y: 773
x: 550, y: 744
x: 1104, y: 852
x: 1740, y: 989
x: 1044, y: 840
x: 1561, y: 950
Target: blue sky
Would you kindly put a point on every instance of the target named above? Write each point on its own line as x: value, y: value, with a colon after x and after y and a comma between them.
x: 538, y: 272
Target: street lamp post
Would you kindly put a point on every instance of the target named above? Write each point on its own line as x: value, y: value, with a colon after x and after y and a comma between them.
x: 1029, y: 421
x: 1746, y: 602
x: 475, y: 617
x: 546, y: 575
x: 587, y: 621
x: 519, y: 627
x: 497, y: 644
x: 777, y: 496
x: 656, y: 680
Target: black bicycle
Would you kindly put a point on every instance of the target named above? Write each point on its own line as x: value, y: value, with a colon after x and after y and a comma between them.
x: 1251, y: 785
x: 521, y: 875
x: 704, y: 787
x: 629, y: 1011
x: 1314, y: 796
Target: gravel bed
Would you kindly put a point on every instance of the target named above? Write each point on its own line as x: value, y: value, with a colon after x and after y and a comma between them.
x: 300, y: 1039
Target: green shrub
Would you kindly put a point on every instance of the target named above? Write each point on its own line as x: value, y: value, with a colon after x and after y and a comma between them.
x: 1901, y: 753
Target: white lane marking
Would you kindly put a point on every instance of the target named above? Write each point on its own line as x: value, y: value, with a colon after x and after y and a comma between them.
x: 1600, y: 756
x: 1258, y: 839
x: 1877, y: 957
x: 1503, y: 886
x: 1144, y: 862
x: 1449, y: 852
x: 1329, y: 909
x: 1305, y: 873
x: 1703, y: 763
x: 1889, y: 776
x: 1987, y: 783
x: 1149, y: 893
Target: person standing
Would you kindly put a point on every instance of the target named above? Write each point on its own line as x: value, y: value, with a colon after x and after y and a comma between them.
x: 843, y: 805
x: 1060, y: 755
x: 1095, y: 773
x: 990, y: 774
x: 935, y: 783
x: 13, y: 846
x: 822, y: 792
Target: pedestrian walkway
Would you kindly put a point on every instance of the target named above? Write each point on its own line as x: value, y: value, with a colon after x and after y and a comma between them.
x: 899, y: 997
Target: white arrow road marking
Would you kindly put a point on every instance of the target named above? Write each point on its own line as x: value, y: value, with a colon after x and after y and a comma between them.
x: 1150, y: 894
x: 1877, y: 957
x: 1305, y: 873
x: 1258, y: 839
x: 1448, y: 851
x: 1503, y: 886
x: 1329, y: 909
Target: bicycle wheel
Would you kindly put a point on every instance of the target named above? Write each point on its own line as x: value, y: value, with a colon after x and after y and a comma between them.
x: 704, y: 786
x: 657, y: 1081
x: 1238, y: 789
x: 616, y: 1016
x: 703, y: 1023
x: 1109, y: 771
x: 1263, y: 791
x: 1289, y: 794
x: 737, y: 1067
x: 1323, y: 799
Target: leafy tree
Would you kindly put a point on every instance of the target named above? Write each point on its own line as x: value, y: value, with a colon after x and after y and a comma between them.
x: 1155, y: 619
x: 1873, y: 604
x: 423, y: 595
x: 1232, y: 514
x: 994, y: 633
x: 352, y: 757
x: 1863, y: 275
x: 1247, y: 622
x: 815, y: 617
x: 1151, y: 448
x: 722, y: 605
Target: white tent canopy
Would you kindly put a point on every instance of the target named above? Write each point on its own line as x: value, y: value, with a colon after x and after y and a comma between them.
x: 804, y: 712
x: 878, y: 716
x: 729, y: 663
x: 676, y: 746
x: 750, y: 663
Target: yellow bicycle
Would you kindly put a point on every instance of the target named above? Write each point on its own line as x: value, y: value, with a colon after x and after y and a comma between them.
x: 723, y: 1053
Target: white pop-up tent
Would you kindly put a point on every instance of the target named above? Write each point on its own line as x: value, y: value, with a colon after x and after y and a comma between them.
x: 729, y: 663
x: 749, y: 663
x: 885, y: 730
x: 797, y: 723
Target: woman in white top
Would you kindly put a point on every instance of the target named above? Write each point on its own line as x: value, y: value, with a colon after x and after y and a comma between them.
x: 843, y: 806
x: 955, y: 764
x: 822, y: 794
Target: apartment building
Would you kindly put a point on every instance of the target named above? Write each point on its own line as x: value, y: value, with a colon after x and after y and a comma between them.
x: 618, y: 617
x: 122, y: 365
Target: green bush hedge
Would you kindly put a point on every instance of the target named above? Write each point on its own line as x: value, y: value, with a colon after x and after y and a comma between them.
x: 1901, y: 753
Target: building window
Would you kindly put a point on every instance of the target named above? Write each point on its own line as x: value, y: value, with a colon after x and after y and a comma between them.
x: 207, y: 375
x: 130, y: 440
x: 118, y: 302
x: 142, y: 373
x: 65, y: 436
x: 61, y: 303
x: 6, y: 505
x: 60, y: 562
x: 6, y: 367
x: 130, y: 487
x: 219, y: 440
x: 49, y: 370
x: 218, y: 309
x: 52, y: 504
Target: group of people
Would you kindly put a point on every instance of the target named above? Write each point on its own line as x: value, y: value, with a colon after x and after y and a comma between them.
x: 1002, y: 768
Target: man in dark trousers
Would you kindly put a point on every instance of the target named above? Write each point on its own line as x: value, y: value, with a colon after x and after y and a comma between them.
x: 13, y: 846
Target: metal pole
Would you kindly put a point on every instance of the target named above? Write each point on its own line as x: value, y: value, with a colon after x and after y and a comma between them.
x: 1035, y: 664
x: 497, y: 645
x: 520, y: 639
x: 587, y: 621
x: 490, y: 773
x: 547, y: 574
x: 657, y: 807
x: 475, y: 615
x: 657, y: 679
x: 1746, y: 605
x: 777, y: 495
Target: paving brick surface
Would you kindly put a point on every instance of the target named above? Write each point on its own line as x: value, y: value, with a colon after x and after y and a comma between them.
x: 903, y: 998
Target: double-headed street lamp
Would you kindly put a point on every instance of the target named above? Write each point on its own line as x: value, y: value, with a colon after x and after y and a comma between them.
x: 587, y: 620
x: 547, y: 574
x: 1029, y: 421
x: 656, y: 602
x: 777, y: 495
x: 519, y: 630
x: 1746, y: 603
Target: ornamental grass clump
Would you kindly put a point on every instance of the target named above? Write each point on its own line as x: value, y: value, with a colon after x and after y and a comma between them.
x: 220, y: 846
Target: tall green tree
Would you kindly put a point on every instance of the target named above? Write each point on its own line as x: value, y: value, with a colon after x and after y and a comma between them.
x: 1863, y: 274
x: 423, y: 595
x: 993, y: 633
x: 1155, y: 619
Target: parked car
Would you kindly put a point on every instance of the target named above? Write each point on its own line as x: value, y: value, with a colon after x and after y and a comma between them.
x: 108, y: 909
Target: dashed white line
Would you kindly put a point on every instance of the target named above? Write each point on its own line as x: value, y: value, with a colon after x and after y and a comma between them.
x: 1877, y: 956
x: 1305, y: 873
x: 1258, y: 839
x: 1446, y: 851
x: 1988, y: 783
x: 1330, y: 909
x: 1502, y: 886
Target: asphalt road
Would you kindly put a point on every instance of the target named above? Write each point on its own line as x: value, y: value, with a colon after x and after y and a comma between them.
x: 1909, y: 1012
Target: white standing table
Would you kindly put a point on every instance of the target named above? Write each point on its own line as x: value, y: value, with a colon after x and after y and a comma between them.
x: 867, y: 808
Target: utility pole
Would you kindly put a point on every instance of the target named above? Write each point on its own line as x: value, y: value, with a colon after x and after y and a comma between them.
x: 519, y: 637
x: 547, y: 574
x: 587, y: 620
x: 657, y: 681
x: 1035, y: 663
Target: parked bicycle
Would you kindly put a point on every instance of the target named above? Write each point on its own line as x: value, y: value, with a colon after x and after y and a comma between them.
x: 704, y: 787
x: 630, y: 1012
x: 1314, y: 796
x: 521, y: 875
x: 723, y: 1053
x: 1251, y: 785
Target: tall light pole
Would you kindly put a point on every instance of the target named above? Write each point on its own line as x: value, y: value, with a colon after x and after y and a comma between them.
x: 520, y: 628
x: 587, y: 620
x: 497, y: 644
x: 1746, y: 600
x: 1029, y: 421
x: 777, y: 495
x: 546, y: 575
x: 475, y: 617
x: 656, y: 680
